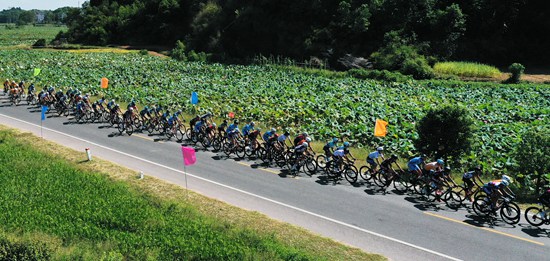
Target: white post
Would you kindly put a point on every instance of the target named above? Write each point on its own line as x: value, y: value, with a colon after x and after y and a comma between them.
x: 89, y: 154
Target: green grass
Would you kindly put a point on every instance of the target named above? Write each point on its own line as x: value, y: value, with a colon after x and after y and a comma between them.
x: 70, y: 210
x: 27, y: 35
x: 467, y: 69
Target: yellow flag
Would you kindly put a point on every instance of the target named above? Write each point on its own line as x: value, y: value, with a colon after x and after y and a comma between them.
x: 104, y: 83
x: 380, y: 128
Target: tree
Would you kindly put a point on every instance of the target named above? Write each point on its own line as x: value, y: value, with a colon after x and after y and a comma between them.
x: 445, y: 132
x: 533, y: 157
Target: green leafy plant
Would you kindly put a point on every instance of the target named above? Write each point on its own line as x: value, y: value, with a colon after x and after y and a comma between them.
x: 532, y: 157
x: 178, y: 52
x: 445, y: 132
x: 517, y: 70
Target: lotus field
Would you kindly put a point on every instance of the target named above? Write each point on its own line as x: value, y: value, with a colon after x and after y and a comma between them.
x: 295, y: 101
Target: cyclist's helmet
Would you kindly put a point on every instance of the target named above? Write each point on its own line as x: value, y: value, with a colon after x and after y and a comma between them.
x: 236, y: 121
x: 225, y: 121
x: 304, y: 133
x: 394, y: 156
x: 308, y: 139
x: 478, y: 168
x: 131, y: 109
x: 505, y: 177
x: 346, y: 144
x: 286, y: 133
x: 447, y: 169
x: 440, y: 162
x: 145, y: 107
x: 305, y: 144
x: 505, y: 182
x: 273, y: 130
x: 252, y: 123
x: 117, y: 105
x: 380, y: 149
x: 334, y: 139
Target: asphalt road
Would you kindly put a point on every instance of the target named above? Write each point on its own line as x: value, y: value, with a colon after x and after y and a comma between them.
x: 401, y: 227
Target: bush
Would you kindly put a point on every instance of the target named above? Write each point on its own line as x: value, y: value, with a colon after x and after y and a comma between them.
x: 517, y: 70
x: 40, y: 43
x: 395, y: 55
x: 383, y: 75
x: 143, y: 52
x: 197, y: 57
x: 178, y: 52
x: 23, y: 251
x: 533, y: 156
x: 417, y: 67
x: 445, y: 132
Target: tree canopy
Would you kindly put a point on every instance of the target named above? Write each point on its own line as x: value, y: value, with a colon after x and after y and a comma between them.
x: 498, y: 32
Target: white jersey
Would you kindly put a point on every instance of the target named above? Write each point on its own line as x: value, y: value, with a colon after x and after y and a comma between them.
x: 282, y: 138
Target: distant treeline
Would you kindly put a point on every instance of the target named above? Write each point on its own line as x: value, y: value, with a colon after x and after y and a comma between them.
x: 22, y: 17
x: 491, y: 31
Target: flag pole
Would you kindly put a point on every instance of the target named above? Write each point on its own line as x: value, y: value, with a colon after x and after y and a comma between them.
x: 185, y: 175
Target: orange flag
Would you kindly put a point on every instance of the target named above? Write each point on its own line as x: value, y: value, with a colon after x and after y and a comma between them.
x: 380, y: 128
x: 104, y: 83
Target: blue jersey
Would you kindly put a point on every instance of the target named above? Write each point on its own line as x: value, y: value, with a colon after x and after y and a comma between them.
x: 416, y: 161
x: 247, y: 128
x: 331, y: 144
x: 374, y: 155
x: 267, y: 135
x: 172, y: 119
x: 198, y: 126
x: 232, y: 127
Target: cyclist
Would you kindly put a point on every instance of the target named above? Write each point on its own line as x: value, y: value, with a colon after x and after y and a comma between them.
x: 221, y: 128
x: 111, y: 104
x: 435, y: 166
x: 299, y: 152
x: 193, y: 121
x: 386, y: 166
x: 31, y: 89
x: 545, y: 198
x: 145, y: 113
x: 414, y: 165
x: 232, y: 131
x: 341, y: 154
x: 267, y: 137
x: 248, y: 128
x: 470, y: 179
x: 300, y: 138
x: 372, y: 159
x: 496, y: 189
x: 282, y: 139
x: 329, y: 147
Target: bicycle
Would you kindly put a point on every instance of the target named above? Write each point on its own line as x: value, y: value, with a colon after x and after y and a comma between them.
x: 538, y: 216
x: 509, y: 211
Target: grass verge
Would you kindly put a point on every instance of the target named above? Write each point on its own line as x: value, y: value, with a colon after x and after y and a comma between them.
x: 70, y: 209
x: 467, y: 69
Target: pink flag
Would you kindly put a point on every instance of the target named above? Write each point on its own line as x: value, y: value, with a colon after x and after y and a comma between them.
x: 188, y: 155
x: 231, y: 115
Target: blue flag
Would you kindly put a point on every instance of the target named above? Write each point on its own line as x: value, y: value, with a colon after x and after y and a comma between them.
x: 44, y: 109
x: 194, y: 98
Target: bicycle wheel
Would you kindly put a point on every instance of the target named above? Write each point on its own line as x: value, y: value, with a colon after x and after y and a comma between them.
x: 366, y: 173
x: 350, y: 173
x: 129, y: 129
x: 452, y: 199
x: 240, y: 149
x: 121, y: 127
x: 481, y: 205
x: 217, y: 143
x: 281, y: 159
x: 227, y: 148
x: 401, y: 183
x: 510, y: 213
x: 321, y: 161
x: 311, y: 166
x: 535, y: 216
x: 180, y: 134
x: 379, y: 178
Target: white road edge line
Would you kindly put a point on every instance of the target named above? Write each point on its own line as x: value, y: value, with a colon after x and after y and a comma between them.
x: 246, y: 192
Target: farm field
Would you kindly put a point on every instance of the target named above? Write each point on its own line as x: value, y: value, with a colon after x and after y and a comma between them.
x: 27, y: 35
x: 296, y: 101
x: 114, y: 216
